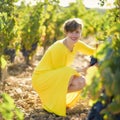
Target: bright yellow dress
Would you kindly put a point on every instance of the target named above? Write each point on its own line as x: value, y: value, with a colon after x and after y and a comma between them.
x: 51, y: 77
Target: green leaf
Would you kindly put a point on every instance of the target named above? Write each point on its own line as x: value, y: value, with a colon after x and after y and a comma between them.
x: 114, y: 108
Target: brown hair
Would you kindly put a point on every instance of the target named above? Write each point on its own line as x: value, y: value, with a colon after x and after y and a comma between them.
x: 73, y: 24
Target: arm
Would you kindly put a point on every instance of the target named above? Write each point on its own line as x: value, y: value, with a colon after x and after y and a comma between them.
x: 84, y: 48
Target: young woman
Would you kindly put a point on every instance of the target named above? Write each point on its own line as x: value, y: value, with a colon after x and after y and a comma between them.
x: 56, y: 82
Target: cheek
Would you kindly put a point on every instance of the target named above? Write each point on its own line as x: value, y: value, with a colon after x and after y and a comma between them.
x: 78, y: 35
x: 69, y: 35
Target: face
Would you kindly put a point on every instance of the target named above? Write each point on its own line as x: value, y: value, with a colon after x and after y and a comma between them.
x: 73, y: 36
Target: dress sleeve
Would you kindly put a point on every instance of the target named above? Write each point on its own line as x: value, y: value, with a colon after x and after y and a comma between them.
x: 84, y: 48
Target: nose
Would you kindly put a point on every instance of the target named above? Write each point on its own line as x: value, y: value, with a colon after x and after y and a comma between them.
x: 74, y: 34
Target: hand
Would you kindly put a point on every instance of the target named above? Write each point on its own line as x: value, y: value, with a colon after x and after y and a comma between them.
x: 93, y: 61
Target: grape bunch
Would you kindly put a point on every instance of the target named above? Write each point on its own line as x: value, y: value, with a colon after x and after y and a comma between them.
x: 94, y: 113
x: 11, y: 53
x: 27, y: 53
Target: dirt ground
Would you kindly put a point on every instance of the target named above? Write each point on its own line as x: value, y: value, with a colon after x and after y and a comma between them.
x: 18, y: 86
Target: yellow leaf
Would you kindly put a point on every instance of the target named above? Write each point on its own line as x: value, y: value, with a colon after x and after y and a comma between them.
x: 90, y: 74
x: 3, y: 62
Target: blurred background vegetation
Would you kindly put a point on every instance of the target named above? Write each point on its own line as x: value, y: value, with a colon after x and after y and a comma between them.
x: 23, y: 28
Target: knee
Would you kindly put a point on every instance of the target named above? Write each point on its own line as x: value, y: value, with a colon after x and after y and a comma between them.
x: 77, y: 84
x: 81, y: 81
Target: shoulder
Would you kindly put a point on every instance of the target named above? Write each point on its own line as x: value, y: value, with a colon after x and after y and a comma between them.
x: 80, y: 43
x: 56, y: 45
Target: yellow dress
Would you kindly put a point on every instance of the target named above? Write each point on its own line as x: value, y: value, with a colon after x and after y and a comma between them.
x: 51, y: 77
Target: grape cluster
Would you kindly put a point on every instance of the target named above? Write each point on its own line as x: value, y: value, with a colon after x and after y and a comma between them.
x: 11, y: 53
x: 94, y: 113
x: 26, y: 53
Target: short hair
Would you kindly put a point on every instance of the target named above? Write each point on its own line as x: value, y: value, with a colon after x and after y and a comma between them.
x: 72, y: 24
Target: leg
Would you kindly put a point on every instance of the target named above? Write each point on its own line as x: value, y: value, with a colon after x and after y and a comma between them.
x: 76, y: 83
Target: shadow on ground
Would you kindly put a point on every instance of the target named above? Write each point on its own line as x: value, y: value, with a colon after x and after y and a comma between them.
x: 72, y: 114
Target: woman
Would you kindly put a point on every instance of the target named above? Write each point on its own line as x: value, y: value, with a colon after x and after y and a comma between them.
x: 56, y: 82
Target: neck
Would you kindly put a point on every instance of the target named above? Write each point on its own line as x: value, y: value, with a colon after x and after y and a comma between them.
x: 68, y: 44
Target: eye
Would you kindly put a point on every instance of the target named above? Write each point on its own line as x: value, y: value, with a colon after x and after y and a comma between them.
x: 77, y: 31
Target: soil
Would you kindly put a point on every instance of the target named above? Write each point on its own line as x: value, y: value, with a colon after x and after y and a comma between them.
x: 18, y: 86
